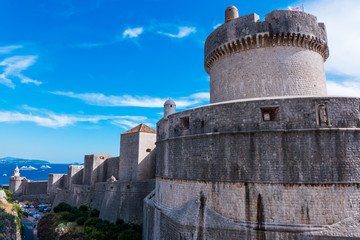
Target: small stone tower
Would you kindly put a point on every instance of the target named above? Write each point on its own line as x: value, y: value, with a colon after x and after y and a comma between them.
x: 16, y: 172
x: 231, y: 13
x: 169, y: 107
x: 15, y: 184
x: 135, y: 145
x: 281, y: 56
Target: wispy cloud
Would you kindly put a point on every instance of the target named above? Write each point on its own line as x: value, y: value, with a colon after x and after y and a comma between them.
x: 128, y: 33
x: 100, y: 99
x: 347, y: 88
x: 13, y: 68
x: 47, y: 118
x: 217, y: 25
x: 9, y: 49
x: 90, y: 45
x: 25, y: 79
x: 132, y: 32
x: 183, y: 32
x: 342, y: 21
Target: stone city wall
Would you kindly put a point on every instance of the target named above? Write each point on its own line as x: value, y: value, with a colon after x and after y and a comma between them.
x: 232, y: 142
x: 56, y: 181
x: 281, y: 204
x: 36, y: 187
x: 94, y: 168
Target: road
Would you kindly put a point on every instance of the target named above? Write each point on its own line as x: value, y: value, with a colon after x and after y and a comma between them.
x: 29, y: 227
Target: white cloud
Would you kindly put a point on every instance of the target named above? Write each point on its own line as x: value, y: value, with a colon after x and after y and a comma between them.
x: 347, y: 88
x: 217, y: 25
x: 342, y: 23
x: 183, y: 32
x: 13, y: 68
x: 25, y: 79
x: 47, y: 118
x: 100, y: 99
x: 9, y: 49
x: 132, y: 32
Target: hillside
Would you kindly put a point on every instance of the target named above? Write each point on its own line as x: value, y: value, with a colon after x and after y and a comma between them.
x: 9, y: 220
x: 13, y: 160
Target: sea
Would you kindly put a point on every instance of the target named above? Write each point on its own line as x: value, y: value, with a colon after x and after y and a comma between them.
x: 34, y: 175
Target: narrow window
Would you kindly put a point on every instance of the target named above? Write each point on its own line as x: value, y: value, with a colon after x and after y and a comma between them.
x: 148, y: 150
x: 270, y: 114
x: 185, y: 122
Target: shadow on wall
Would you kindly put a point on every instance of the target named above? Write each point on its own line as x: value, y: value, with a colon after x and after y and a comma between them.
x: 146, y: 168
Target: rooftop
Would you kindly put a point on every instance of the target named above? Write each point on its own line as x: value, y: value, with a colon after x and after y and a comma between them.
x: 141, y: 128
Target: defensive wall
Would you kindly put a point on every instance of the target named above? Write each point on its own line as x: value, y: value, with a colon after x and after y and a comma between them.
x: 306, y: 140
x: 284, y: 165
x: 114, y: 185
x: 272, y: 157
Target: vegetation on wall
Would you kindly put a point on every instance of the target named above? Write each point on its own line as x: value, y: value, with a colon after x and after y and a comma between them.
x: 9, y: 197
x: 83, y: 223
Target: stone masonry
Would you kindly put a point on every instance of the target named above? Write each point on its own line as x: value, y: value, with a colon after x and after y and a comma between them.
x: 114, y: 185
x: 272, y: 157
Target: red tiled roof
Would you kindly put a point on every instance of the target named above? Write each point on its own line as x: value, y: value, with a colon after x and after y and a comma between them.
x: 141, y: 128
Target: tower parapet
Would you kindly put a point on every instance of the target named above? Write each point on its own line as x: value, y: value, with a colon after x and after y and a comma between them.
x: 281, y: 56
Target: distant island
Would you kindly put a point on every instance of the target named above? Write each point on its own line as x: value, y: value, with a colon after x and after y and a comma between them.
x: 13, y: 160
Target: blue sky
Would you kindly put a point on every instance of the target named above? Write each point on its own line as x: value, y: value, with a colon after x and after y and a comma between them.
x: 74, y: 75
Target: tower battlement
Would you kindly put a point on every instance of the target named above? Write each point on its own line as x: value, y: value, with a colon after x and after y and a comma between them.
x: 288, y: 46
x: 281, y: 27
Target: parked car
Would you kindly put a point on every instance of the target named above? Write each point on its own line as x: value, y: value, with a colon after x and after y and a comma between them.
x: 48, y: 209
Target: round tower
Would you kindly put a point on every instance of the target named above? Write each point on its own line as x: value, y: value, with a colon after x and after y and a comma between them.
x: 281, y: 56
x: 169, y: 107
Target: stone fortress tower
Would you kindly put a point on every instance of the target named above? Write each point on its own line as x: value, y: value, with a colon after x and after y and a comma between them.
x: 281, y: 160
x: 16, y: 181
x: 281, y: 56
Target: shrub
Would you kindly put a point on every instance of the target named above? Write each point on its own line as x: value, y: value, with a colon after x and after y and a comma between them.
x: 64, y: 216
x: 83, y: 208
x: 102, y: 225
x: 137, y: 228
x: 92, y: 222
x: 119, y: 221
x: 9, y: 197
x: 63, y: 207
x: 94, y: 213
x: 71, y: 217
x: 92, y: 233
x: 129, y: 234
x: 81, y: 220
x: 19, y: 210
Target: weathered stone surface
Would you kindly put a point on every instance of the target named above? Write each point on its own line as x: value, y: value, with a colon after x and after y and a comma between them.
x: 281, y: 56
x: 271, y: 166
x: 231, y: 142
